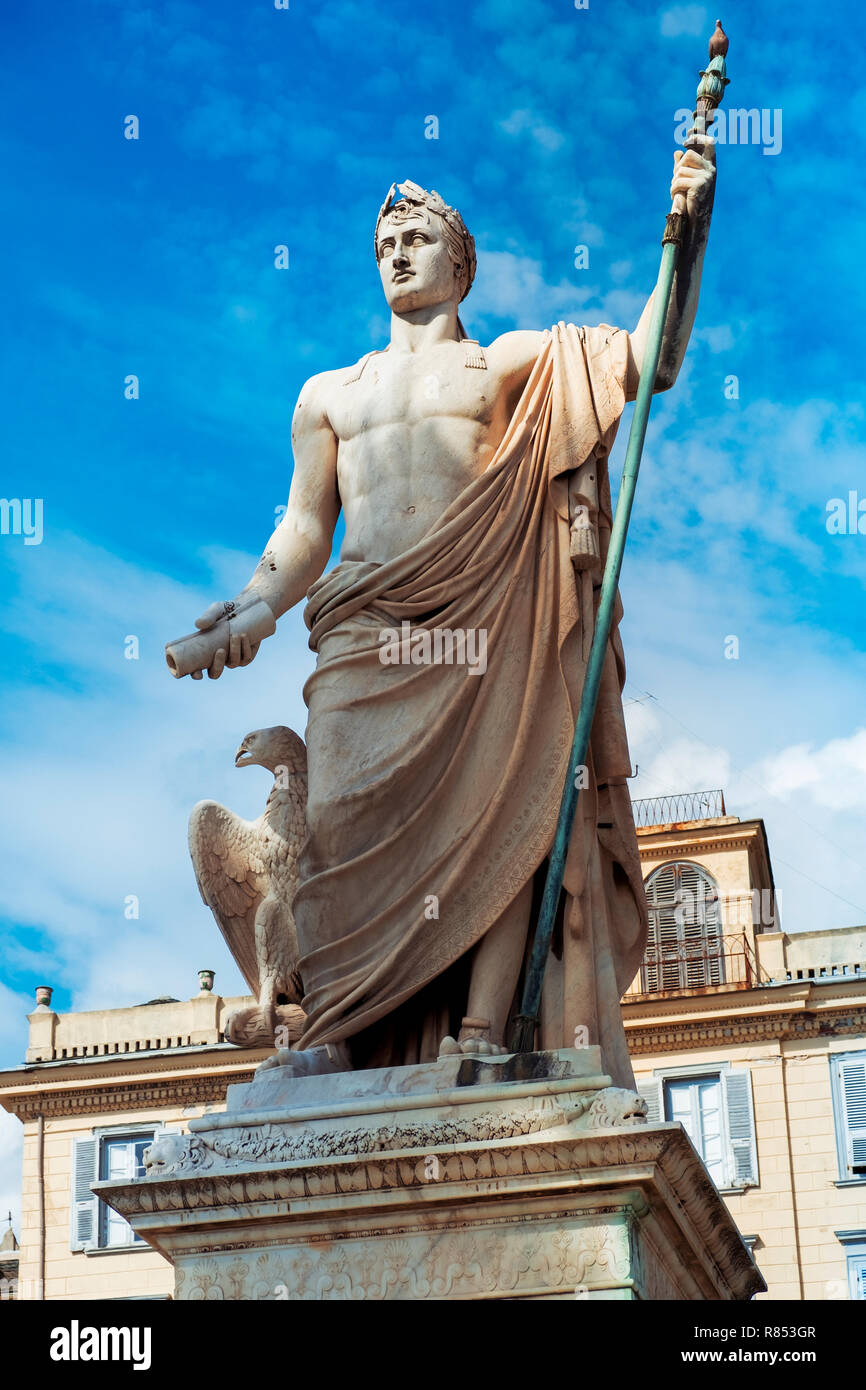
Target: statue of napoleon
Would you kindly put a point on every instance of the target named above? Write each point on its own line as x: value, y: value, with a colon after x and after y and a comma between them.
x: 473, y: 482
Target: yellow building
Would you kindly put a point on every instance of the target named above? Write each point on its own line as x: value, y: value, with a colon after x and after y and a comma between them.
x: 95, y: 1089
x: 756, y: 1042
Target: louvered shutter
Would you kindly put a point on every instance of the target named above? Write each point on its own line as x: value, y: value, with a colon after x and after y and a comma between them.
x: 662, y: 967
x: 685, y: 946
x: 698, y: 917
x: 84, y: 1206
x: 857, y: 1276
x: 852, y: 1076
x: 651, y: 1092
x: 741, y: 1128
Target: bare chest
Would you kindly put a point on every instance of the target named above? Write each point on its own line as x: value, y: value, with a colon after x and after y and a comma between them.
x: 407, y: 391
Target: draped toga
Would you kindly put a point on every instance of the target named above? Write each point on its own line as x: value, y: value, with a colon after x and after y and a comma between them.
x: 434, y: 792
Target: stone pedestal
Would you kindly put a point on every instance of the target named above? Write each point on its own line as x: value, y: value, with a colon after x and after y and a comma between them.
x: 473, y: 1177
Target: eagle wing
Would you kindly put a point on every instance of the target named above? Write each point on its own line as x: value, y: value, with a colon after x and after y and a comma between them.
x: 227, y: 855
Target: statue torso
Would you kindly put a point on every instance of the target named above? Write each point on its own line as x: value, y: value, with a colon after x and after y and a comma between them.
x: 413, y: 430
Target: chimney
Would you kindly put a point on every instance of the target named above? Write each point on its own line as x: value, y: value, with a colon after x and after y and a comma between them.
x: 205, y: 1010
x: 43, y: 1022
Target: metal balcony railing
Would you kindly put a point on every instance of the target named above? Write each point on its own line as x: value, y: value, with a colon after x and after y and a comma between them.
x: 673, y: 810
x: 699, y: 967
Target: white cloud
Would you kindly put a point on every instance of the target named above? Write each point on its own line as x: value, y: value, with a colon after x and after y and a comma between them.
x: 685, y: 19
x: 748, y: 726
x: 13, y: 1040
x: 107, y: 767
x: 526, y: 122
x: 718, y: 338
x: 683, y: 764
x: 831, y: 776
x: 512, y: 286
x: 11, y: 1146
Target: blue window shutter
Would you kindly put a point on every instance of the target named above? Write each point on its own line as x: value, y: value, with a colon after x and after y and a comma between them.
x: 741, y: 1128
x: 651, y: 1092
x: 84, y: 1205
x: 857, y: 1276
x: 852, y: 1086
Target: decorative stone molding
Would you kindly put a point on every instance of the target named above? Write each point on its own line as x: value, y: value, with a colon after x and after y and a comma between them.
x: 542, y: 1261
x: 644, y: 1039
x: 238, y: 1148
x: 542, y: 1187
x: 119, y: 1097
x: 692, y: 848
x: 198, y: 1188
x: 259, y: 1202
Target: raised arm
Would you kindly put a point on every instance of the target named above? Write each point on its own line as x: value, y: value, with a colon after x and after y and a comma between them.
x: 300, y: 546
x: 695, y: 177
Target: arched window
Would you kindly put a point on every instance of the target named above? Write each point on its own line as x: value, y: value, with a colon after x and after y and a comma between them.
x: 685, y: 946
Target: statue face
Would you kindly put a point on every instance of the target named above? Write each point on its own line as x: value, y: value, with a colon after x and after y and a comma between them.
x: 414, y: 264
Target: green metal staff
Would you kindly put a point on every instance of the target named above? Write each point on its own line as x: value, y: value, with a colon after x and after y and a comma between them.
x: 710, y: 93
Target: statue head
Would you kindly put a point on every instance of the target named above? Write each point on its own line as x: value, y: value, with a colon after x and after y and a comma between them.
x: 424, y: 251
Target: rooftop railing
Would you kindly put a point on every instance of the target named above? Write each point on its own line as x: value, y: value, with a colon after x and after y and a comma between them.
x: 673, y: 810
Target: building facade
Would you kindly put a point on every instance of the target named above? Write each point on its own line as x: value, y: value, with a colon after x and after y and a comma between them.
x: 95, y: 1090
x: 756, y: 1042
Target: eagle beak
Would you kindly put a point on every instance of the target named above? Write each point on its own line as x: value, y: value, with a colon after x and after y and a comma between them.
x: 240, y: 755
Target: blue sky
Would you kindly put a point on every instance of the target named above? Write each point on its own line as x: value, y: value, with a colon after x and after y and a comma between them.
x: 260, y: 127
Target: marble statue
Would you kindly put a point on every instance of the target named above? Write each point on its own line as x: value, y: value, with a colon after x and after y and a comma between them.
x: 473, y: 483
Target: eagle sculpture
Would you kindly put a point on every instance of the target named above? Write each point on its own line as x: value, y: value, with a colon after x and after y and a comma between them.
x: 247, y: 873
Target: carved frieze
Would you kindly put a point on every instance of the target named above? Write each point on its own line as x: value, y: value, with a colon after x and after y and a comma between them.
x: 104, y: 1096
x: 759, y: 1027
x: 240, y: 1147
x: 535, y: 1258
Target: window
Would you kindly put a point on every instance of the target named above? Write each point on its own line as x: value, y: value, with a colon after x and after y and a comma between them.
x: 120, y: 1157
x: 855, y: 1255
x: 698, y: 1107
x: 857, y: 1276
x: 848, y: 1084
x: 106, y: 1157
x: 685, y: 947
x: 715, y: 1109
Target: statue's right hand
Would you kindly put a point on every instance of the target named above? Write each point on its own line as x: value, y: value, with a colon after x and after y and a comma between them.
x: 240, y: 650
x: 227, y: 634
x: 210, y: 616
